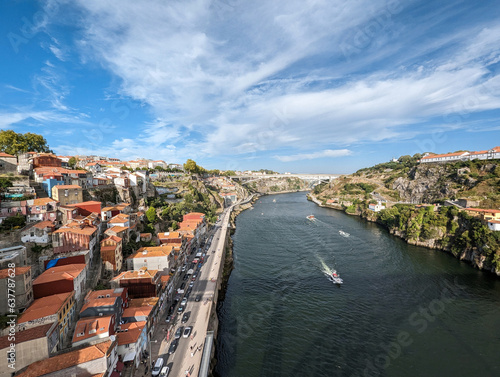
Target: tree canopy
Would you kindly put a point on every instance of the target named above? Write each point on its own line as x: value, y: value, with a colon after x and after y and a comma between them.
x: 14, y: 143
x: 191, y: 167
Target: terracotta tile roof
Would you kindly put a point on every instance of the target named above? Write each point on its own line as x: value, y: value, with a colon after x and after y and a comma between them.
x: 67, y: 360
x: 152, y: 251
x: 3, y: 154
x: 95, y: 303
x: 26, y: 335
x: 117, y: 229
x: 88, y: 202
x: 86, y: 326
x: 133, y: 312
x: 94, y: 295
x: 483, y: 210
x: 168, y: 235
x: 130, y: 332
x: 494, y: 221
x: 144, y: 235
x: 61, y: 187
x: 66, y: 272
x: 4, y: 273
x: 87, y: 230
x: 44, y: 224
x: 43, y: 201
x: 118, y: 219
x: 113, y: 238
x: 45, y: 306
x: 136, y: 274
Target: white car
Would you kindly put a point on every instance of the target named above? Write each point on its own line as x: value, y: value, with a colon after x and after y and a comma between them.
x: 184, y: 301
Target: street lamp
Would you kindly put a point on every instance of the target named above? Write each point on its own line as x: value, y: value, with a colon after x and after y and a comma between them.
x: 150, y: 355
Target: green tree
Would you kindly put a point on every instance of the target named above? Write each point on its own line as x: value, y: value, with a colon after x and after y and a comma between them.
x: 191, y: 167
x: 72, y: 162
x: 175, y: 225
x: 151, y: 215
x: 15, y: 143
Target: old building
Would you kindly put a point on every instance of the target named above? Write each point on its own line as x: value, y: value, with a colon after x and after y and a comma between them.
x: 61, y: 279
x: 111, y: 253
x: 32, y: 345
x: 153, y: 258
x: 8, y: 163
x: 67, y: 194
x: 95, y: 328
x: 96, y: 360
x: 22, y: 290
x: 59, y: 308
x: 140, y: 283
x: 14, y: 254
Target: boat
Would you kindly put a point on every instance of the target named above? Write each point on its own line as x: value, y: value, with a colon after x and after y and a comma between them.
x: 335, y: 278
x: 274, y: 200
x: 311, y: 217
x: 344, y: 234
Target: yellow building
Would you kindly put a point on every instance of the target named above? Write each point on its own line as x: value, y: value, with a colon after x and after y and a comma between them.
x: 58, y: 308
x: 67, y: 194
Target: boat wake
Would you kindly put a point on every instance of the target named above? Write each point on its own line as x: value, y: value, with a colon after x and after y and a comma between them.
x: 331, y: 274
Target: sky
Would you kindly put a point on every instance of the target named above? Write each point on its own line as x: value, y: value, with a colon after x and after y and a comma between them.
x: 300, y: 86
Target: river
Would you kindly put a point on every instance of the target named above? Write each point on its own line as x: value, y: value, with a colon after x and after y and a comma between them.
x: 402, y: 310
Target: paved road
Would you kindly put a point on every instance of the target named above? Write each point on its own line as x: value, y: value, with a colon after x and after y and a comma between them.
x: 187, y: 357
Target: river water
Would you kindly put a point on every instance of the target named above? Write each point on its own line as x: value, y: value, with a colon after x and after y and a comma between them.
x: 402, y: 310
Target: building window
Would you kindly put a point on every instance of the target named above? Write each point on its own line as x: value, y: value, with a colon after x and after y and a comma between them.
x: 66, y: 192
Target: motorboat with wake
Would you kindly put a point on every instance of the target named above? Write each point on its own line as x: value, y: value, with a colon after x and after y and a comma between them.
x: 335, y: 278
x: 344, y: 234
x: 311, y: 217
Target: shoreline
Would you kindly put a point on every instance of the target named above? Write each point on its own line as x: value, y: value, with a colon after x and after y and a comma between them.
x: 466, y: 256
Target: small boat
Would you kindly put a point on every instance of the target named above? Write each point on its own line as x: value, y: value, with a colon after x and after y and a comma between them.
x: 311, y: 217
x: 344, y: 234
x: 335, y: 278
x: 274, y: 200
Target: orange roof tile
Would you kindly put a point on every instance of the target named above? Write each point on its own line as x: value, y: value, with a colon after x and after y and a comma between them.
x: 44, y: 224
x: 67, y: 360
x: 152, y: 251
x: 94, y: 295
x: 142, y: 311
x: 86, y: 230
x: 26, y: 335
x: 3, y: 154
x: 66, y: 272
x: 130, y: 332
x: 61, y: 187
x: 4, y: 273
x: 483, y: 210
x: 86, y: 326
x: 43, y: 201
x: 117, y: 229
x: 494, y: 221
x: 136, y: 274
x: 45, y: 306
x: 143, y: 302
x: 95, y: 303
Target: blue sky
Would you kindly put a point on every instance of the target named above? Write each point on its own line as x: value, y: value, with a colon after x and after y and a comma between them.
x: 296, y: 85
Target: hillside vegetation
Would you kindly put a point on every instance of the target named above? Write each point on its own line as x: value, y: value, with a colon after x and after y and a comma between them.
x: 413, y: 193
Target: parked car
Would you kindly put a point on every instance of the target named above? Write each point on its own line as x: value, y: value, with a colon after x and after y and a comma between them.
x: 183, y: 268
x: 169, y: 318
x: 157, y: 367
x: 191, y: 284
x: 179, y: 332
x: 187, y: 331
x: 184, y: 301
x: 181, y: 309
x: 185, y: 317
x: 194, y: 276
x: 173, y: 346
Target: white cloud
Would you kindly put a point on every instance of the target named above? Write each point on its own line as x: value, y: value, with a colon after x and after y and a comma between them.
x: 257, y: 76
x: 311, y: 156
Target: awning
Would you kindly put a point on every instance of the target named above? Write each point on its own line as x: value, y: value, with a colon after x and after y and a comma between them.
x: 129, y: 357
x: 119, y: 366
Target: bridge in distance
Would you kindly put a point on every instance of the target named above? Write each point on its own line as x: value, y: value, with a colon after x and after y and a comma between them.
x: 314, y: 178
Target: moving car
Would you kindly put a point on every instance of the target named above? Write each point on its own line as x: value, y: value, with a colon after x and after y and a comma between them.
x: 185, y: 317
x: 164, y: 372
x: 198, y: 298
x: 173, y: 346
x: 187, y: 331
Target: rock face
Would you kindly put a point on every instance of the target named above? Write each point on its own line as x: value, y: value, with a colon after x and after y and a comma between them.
x: 276, y: 185
x: 424, y: 184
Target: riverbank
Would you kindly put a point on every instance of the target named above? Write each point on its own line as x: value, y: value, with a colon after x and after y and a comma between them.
x: 437, y: 238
